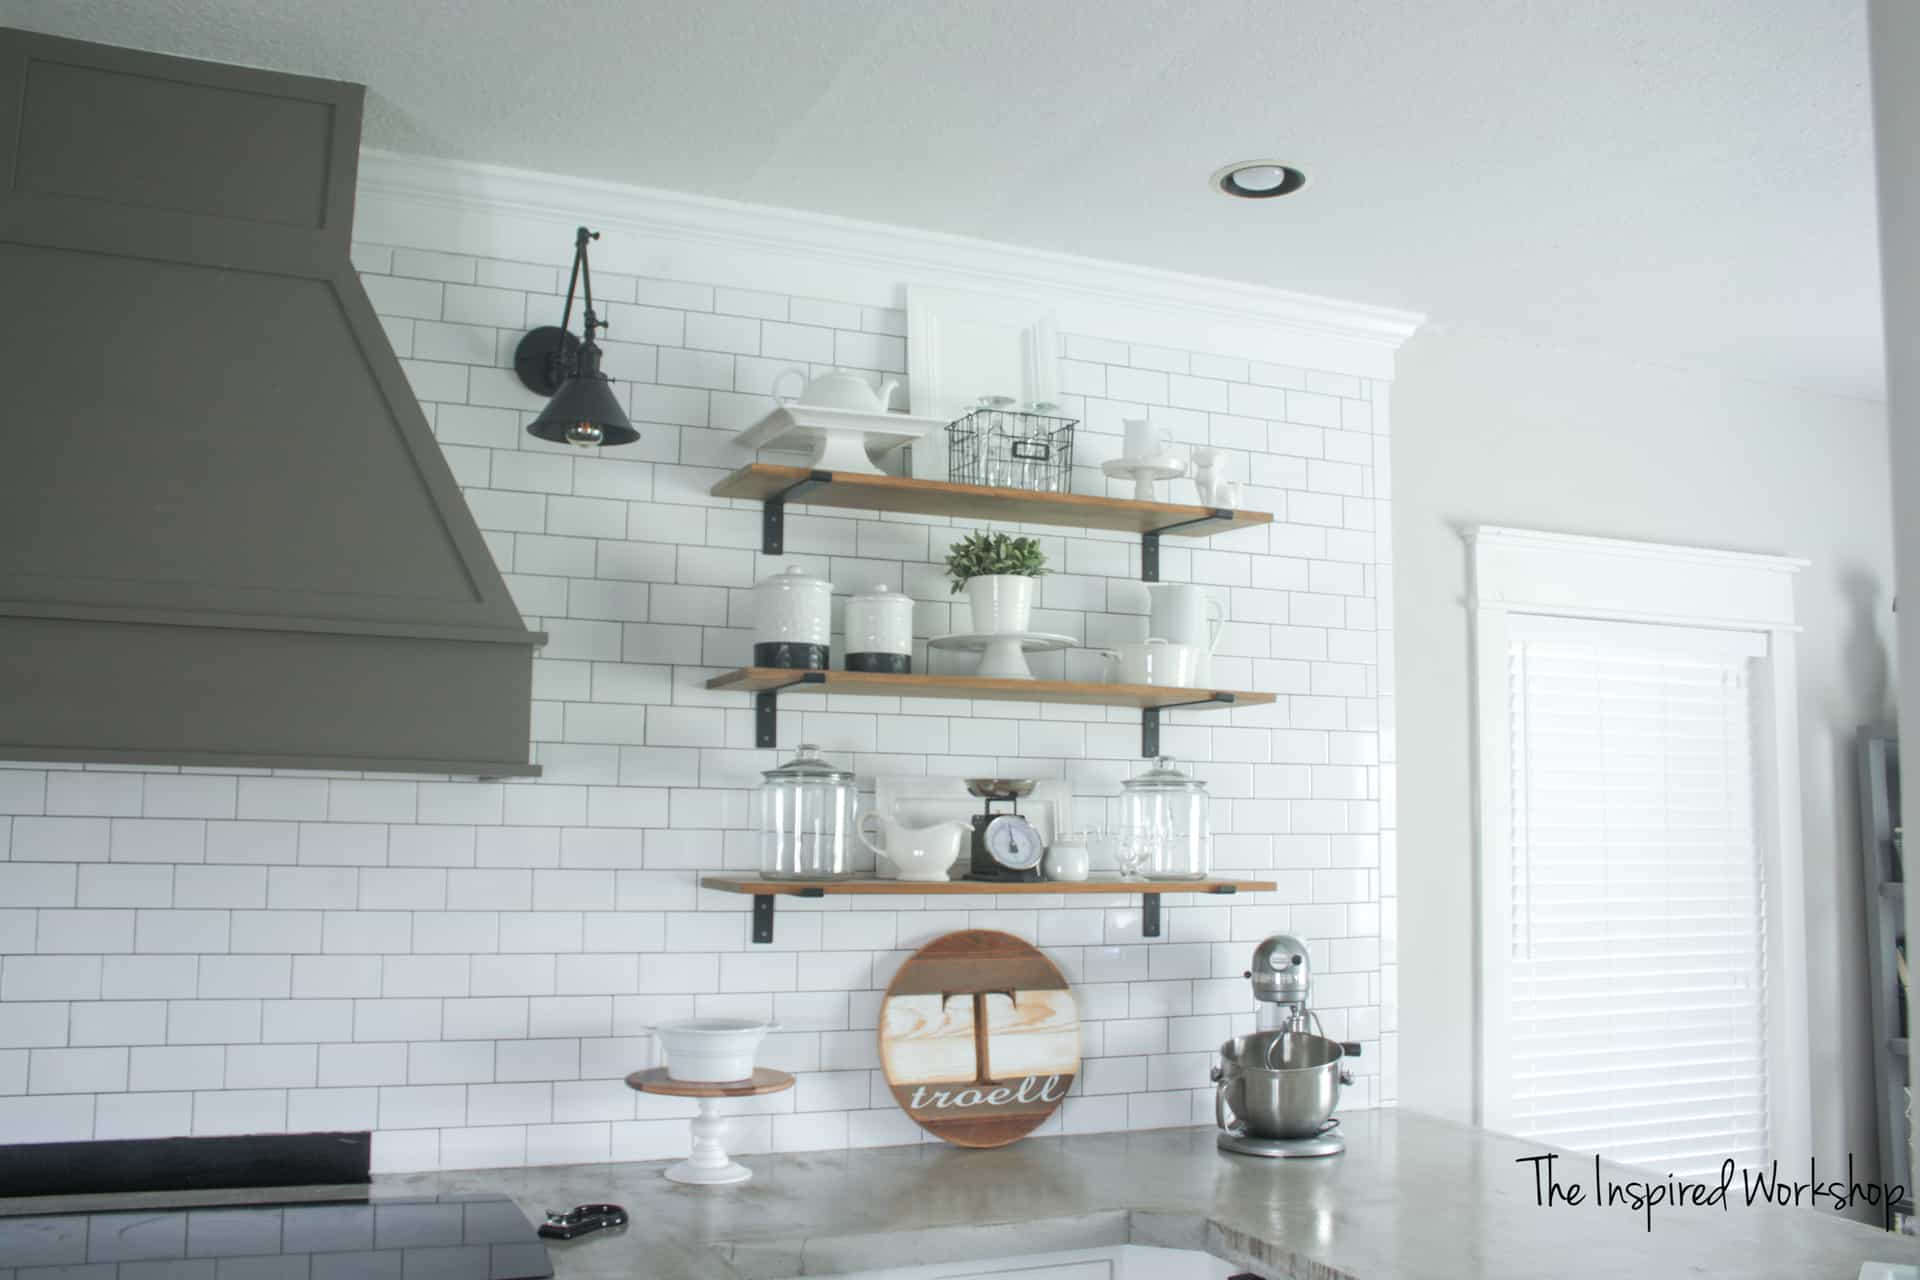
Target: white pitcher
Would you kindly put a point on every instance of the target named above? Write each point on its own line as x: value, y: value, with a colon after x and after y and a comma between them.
x: 917, y: 853
x: 1183, y: 613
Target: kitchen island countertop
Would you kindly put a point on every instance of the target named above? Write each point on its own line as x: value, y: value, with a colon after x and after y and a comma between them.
x: 1413, y: 1196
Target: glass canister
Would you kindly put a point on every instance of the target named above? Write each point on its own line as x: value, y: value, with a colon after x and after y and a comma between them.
x: 1167, y: 811
x: 806, y: 811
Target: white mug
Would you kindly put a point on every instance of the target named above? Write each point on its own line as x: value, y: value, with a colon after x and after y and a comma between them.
x: 1067, y: 860
x: 1155, y: 662
x: 1143, y: 441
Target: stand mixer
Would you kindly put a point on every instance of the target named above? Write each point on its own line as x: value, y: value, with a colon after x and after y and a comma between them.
x: 1281, y: 1083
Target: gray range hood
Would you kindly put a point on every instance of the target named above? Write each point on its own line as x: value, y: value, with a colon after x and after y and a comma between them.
x: 227, y: 536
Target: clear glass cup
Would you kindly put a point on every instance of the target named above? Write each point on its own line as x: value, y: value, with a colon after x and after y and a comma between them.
x: 1133, y: 850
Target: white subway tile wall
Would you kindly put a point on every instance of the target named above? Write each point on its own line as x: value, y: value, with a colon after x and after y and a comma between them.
x: 470, y: 967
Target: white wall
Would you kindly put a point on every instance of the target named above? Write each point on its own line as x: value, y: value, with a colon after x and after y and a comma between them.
x: 1895, y: 31
x: 1500, y: 432
x: 468, y: 967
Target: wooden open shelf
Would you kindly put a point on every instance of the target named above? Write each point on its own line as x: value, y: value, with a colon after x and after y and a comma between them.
x: 774, y: 487
x: 1141, y: 696
x: 766, y: 684
x: 761, y: 481
x: 826, y: 888
x: 1148, y: 891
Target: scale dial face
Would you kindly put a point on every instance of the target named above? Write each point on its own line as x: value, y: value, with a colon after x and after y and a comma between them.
x: 1014, y: 842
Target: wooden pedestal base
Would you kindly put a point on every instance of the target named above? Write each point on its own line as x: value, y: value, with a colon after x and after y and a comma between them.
x: 708, y: 1164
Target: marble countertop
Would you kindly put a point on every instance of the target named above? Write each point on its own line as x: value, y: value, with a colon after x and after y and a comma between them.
x: 1413, y: 1196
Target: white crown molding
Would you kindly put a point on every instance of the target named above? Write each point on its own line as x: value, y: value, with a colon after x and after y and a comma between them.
x: 518, y: 214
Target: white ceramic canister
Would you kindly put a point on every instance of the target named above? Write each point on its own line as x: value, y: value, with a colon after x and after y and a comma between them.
x: 880, y: 632
x: 792, y: 621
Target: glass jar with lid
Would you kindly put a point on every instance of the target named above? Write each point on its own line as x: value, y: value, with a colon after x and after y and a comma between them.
x: 806, y: 816
x: 1166, y: 811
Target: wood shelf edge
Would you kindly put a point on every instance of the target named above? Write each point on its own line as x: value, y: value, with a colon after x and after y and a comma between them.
x: 815, y: 888
x: 886, y: 684
x: 758, y: 481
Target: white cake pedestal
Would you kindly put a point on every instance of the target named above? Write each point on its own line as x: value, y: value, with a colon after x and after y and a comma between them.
x: 1003, y: 654
x: 1143, y: 472
x: 707, y: 1164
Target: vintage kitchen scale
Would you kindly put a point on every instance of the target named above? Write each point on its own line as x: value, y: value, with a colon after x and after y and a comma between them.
x: 1007, y: 848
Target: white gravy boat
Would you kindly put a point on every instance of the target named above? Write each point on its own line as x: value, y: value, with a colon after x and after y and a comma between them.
x: 917, y: 853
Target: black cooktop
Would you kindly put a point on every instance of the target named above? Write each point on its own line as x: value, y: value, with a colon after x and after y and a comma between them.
x: 400, y: 1238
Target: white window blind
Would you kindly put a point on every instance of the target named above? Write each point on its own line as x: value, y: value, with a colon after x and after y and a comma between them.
x: 1637, y: 1003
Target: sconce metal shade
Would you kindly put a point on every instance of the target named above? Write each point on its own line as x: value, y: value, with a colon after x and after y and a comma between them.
x: 552, y: 362
x: 584, y: 411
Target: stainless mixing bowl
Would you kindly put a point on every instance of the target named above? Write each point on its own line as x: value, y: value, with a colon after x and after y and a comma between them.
x: 1278, y: 1084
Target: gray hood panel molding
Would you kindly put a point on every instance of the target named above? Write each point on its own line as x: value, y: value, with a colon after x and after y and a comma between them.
x: 227, y: 535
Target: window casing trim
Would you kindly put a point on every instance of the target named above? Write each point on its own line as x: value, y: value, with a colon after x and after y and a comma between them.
x: 1526, y: 572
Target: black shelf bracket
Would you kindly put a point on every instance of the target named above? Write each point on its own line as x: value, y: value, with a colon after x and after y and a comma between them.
x: 773, y: 511
x: 1150, y: 540
x: 1149, y: 915
x: 766, y: 707
x: 1150, y: 720
x: 763, y: 911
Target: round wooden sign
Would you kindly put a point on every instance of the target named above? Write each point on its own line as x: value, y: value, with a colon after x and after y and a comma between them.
x: 979, y: 1038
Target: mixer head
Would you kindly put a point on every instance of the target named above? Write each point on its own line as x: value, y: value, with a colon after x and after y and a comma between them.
x: 1280, y: 972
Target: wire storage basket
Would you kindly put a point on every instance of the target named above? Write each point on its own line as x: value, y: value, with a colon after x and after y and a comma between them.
x: 1011, y: 449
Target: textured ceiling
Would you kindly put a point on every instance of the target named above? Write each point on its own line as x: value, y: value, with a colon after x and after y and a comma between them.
x: 1688, y: 181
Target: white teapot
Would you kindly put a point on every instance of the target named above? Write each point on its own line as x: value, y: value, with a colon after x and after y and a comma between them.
x: 917, y: 853
x: 840, y: 391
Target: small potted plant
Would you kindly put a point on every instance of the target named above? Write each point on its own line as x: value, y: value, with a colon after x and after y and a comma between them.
x: 997, y: 573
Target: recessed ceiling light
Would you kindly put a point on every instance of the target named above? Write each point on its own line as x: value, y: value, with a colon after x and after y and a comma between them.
x: 1258, y: 179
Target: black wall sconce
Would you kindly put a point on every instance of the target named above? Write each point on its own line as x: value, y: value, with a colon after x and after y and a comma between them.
x: 552, y: 362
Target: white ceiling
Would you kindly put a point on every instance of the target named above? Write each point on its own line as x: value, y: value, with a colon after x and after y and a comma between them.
x: 1685, y: 180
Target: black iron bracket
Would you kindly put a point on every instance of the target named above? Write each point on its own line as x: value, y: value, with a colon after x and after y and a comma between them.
x: 1150, y: 720
x: 1149, y: 915
x: 1150, y: 540
x: 773, y: 511
x: 763, y: 911
x: 766, y: 707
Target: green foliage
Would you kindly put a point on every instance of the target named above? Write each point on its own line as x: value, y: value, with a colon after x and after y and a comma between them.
x: 980, y: 554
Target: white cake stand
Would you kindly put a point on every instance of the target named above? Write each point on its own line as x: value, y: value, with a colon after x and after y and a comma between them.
x: 708, y: 1165
x: 1003, y: 654
x: 1144, y: 471
x: 841, y: 439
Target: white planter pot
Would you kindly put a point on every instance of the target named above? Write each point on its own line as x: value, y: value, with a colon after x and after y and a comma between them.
x: 711, y: 1050
x: 1002, y: 603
